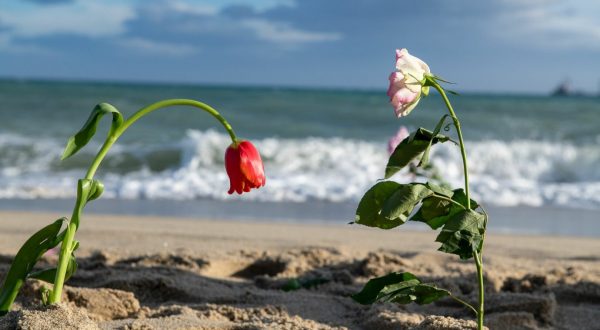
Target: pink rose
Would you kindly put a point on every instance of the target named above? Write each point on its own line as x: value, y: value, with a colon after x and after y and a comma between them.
x: 405, y: 84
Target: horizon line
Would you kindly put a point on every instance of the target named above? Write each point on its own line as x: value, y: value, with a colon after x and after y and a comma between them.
x: 251, y: 86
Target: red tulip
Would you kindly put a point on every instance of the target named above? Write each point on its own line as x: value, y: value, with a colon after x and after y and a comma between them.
x: 244, y: 167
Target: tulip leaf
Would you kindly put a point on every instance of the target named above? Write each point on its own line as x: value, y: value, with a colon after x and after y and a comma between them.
x: 402, y: 288
x: 410, y: 148
x: 48, y: 275
x: 389, y: 204
x: 87, y: 190
x: 85, y: 134
x: 24, y: 261
x: 462, y: 234
x: 425, y: 158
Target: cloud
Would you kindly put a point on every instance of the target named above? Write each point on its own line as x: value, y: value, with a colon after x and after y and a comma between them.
x: 552, y: 23
x: 88, y: 18
x: 341, y: 42
x: 146, y: 46
x: 49, y: 2
x: 211, y: 27
x: 284, y: 34
x: 8, y: 46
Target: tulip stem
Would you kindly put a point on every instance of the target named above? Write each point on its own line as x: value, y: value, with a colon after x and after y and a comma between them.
x: 67, y: 243
x: 477, y: 256
x: 146, y: 110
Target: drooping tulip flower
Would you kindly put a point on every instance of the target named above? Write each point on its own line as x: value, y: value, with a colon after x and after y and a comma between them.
x: 395, y: 140
x: 406, y: 88
x: 244, y: 167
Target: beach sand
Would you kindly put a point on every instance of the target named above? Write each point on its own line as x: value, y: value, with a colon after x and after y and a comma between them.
x: 168, y: 273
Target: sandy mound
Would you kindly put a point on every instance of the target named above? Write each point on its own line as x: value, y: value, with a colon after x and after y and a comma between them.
x: 305, y: 288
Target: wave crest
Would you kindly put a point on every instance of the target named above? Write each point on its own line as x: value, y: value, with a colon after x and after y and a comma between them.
x: 520, y: 172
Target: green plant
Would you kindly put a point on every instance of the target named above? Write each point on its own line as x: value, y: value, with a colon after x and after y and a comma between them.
x: 460, y: 220
x: 244, y: 166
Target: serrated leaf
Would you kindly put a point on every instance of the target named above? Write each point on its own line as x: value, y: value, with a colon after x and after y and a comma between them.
x: 85, y: 134
x: 439, y: 189
x: 371, y: 203
x: 24, y: 261
x: 401, y: 288
x: 401, y: 203
x: 435, y: 211
x: 462, y: 234
x: 389, y: 204
x: 410, y: 148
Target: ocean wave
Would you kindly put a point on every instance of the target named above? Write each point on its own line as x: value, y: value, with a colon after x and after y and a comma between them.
x: 520, y: 172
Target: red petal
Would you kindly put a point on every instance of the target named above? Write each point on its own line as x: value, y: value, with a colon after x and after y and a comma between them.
x: 251, y: 165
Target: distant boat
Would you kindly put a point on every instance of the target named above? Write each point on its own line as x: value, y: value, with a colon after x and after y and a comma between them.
x: 564, y: 89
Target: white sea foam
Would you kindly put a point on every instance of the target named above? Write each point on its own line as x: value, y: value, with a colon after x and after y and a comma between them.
x: 522, y: 172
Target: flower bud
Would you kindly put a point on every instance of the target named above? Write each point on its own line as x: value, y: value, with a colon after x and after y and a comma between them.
x: 244, y: 167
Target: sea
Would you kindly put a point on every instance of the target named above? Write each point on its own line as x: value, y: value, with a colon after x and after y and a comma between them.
x: 534, y: 160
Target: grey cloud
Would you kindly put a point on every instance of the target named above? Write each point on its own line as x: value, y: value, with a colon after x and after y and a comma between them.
x: 50, y: 2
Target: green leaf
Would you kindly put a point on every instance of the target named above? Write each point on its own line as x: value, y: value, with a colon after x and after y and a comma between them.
x: 388, y: 204
x: 40, y: 242
x: 399, y: 206
x: 402, y: 288
x: 462, y: 234
x: 436, y: 211
x: 87, y: 190
x: 425, y: 158
x: 439, y: 189
x: 85, y: 134
x: 371, y: 203
x: 48, y: 275
x: 410, y: 148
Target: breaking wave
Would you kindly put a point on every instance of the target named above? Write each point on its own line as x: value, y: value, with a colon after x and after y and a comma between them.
x: 506, y: 173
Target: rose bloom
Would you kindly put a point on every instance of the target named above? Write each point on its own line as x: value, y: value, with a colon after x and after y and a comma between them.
x: 395, y: 140
x: 244, y: 167
x: 405, y: 83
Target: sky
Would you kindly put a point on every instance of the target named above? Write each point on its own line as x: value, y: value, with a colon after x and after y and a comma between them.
x: 517, y: 46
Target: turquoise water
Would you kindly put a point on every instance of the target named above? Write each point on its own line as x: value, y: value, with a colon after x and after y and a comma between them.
x: 318, y: 145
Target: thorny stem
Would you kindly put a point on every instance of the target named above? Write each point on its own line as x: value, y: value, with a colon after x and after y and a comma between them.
x: 67, y: 244
x: 476, y: 255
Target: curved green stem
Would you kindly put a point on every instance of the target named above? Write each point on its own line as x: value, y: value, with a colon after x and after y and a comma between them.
x: 460, y: 140
x: 144, y: 111
x: 476, y: 255
x: 67, y: 244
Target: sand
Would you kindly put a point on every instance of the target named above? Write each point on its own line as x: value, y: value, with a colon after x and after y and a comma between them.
x: 162, y: 273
